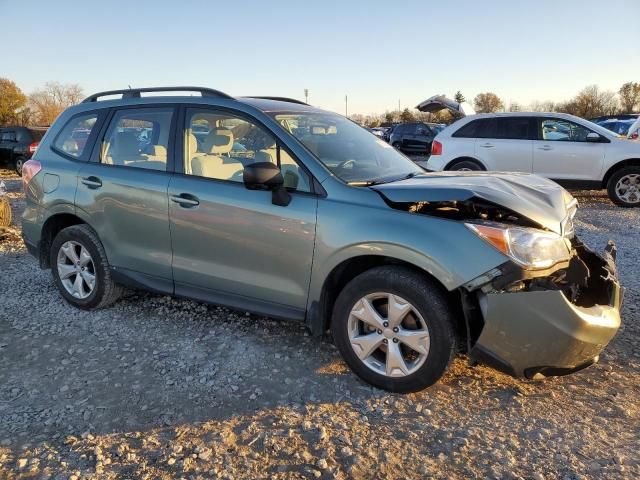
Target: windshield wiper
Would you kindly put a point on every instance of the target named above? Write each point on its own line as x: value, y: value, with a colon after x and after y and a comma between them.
x: 380, y: 181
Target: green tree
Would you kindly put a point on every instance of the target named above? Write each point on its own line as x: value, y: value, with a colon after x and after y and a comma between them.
x: 487, y: 103
x: 407, y: 116
x: 630, y: 96
x: 11, y: 101
x: 459, y: 97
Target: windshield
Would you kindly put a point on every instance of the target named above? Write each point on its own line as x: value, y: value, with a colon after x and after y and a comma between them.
x: 348, y: 150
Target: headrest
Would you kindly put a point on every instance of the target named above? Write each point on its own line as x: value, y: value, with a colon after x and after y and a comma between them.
x: 219, y: 140
x: 318, y: 130
x: 127, y: 144
x: 192, y: 143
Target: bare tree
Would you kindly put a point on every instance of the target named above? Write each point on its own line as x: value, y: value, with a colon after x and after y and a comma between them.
x: 12, y: 102
x: 546, y: 106
x: 50, y: 101
x: 630, y: 96
x: 487, y: 103
x: 591, y: 102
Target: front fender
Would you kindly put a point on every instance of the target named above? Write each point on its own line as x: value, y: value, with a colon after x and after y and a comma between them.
x: 445, y: 249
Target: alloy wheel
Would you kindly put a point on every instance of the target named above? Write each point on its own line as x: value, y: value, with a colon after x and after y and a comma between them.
x: 388, y: 334
x: 628, y: 188
x: 76, y: 269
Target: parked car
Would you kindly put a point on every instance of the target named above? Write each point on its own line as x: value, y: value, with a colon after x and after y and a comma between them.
x: 324, y: 224
x: 619, y: 127
x: 620, y: 116
x: 17, y: 145
x: 414, y: 136
x: 572, y: 151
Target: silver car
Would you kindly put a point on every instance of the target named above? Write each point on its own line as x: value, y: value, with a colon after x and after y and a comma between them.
x: 276, y: 207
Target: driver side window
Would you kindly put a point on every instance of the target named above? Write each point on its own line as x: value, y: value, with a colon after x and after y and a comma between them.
x: 558, y: 130
x: 219, y: 145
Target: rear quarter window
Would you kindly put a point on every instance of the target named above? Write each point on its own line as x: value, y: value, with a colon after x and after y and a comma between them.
x: 73, y: 139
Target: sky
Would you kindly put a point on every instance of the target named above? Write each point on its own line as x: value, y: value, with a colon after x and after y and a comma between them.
x: 377, y: 53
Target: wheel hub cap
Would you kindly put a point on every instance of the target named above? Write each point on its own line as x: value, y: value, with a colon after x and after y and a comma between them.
x: 76, y: 269
x: 388, y: 334
x: 628, y: 188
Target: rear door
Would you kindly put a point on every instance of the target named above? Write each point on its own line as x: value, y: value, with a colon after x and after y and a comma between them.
x: 123, y: 191
x: 232, y: 245
x: 561, y: 151
x: 504, y: 143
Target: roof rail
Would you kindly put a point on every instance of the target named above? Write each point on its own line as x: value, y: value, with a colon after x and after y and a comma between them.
x: 280, y: 99
x: 135, y: 92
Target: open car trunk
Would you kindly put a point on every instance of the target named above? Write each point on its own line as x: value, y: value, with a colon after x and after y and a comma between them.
x: 440, y: 102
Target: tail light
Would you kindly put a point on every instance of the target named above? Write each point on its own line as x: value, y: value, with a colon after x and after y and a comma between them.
x: 634, y: 135
x: 436, y: 148
x: 33, y: 147
x: 29, y: 170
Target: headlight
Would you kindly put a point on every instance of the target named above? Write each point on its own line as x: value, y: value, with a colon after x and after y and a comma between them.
x: 529, y: 247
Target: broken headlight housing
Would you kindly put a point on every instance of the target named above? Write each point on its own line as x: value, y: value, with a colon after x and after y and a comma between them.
x: 529, y: 247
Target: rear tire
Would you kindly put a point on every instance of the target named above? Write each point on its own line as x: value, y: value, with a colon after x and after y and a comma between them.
x: 623, y: 187
x: 373, y: 353
x: 80, y: 269
x: 465, y: 166
x: 18, y: 164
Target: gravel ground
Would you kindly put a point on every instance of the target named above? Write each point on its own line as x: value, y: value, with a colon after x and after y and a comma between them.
x: 155, y: 387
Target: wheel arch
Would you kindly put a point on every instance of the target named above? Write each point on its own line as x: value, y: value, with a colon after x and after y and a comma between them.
x: 50, y: 228
x: 466, y: 158
x: 320, y: 312
x: 630, y: 162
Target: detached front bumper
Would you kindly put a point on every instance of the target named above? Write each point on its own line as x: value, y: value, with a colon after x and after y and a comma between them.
x: 542, y: 333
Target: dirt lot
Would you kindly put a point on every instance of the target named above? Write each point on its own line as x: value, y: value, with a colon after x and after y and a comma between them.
x: 160, y: 388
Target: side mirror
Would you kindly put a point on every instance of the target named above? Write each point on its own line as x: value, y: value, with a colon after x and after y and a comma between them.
x: 266, y: 176
x: 593, y: 137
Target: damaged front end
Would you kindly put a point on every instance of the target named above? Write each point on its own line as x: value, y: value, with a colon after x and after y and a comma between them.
x: 535, y: 324
x: 554, y: 305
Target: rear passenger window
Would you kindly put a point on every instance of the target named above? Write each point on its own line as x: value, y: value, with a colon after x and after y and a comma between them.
x: 470, y: 130
x: 219, y: 145
x: 138, y: 138
x: 514, y: 128
x: 73, y: 137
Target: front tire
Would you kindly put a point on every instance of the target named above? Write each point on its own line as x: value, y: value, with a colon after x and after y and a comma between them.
x: 623, y: 187
x: 394, y: 328
x: 80, y: 269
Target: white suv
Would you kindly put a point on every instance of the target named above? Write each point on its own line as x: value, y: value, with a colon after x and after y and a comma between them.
x: 574, y: 152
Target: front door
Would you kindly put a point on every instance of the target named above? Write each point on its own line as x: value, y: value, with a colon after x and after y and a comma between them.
x: 124, y: 193
x: 562, y: 151
x: 232, y: 245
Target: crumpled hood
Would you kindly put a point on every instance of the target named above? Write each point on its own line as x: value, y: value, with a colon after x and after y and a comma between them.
x: 539, y: 199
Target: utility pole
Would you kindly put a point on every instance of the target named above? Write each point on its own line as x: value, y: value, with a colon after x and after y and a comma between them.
x: 398, y: 104
x: 346, y: 109
x: 306, y: 95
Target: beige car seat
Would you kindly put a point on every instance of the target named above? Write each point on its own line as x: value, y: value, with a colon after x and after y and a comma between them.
x: 216, y: 163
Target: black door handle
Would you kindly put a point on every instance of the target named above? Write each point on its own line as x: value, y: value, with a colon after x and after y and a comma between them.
x: 185, y: 200
x: 91, y: 182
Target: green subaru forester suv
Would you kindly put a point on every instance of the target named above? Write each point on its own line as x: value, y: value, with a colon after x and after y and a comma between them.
x: 272, y: 206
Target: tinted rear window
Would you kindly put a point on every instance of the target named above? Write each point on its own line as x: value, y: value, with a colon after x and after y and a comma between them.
x: 473, y: 129
x: 513, y: 128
